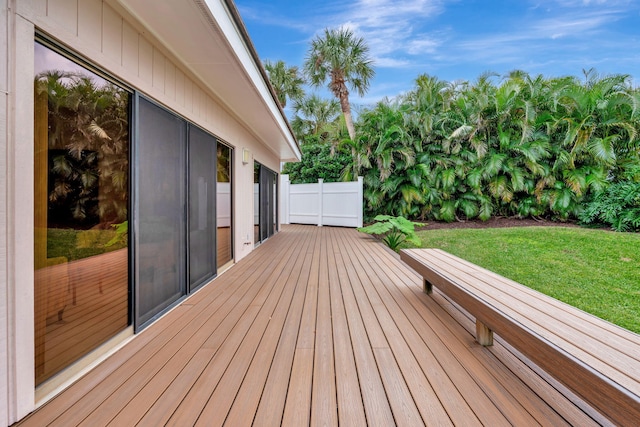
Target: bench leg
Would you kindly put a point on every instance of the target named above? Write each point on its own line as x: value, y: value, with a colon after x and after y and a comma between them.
x: 427, y: 286
x: 484, y: 335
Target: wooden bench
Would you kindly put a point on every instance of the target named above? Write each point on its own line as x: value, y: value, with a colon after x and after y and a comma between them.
x: 595, y: 359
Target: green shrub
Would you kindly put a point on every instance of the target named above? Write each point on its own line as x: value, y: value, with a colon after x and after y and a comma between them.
x: 618, y: 207
x: 395, y: 230
x: 317, y: 162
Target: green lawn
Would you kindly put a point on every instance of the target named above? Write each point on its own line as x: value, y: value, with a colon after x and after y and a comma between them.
x: 595, y: 270
x: 77, y: 244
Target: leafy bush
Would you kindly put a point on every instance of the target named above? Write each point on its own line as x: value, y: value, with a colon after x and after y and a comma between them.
x: 525, y: 146
x: 318, y: 162
x: 395, y: 230
x: 618, y: 206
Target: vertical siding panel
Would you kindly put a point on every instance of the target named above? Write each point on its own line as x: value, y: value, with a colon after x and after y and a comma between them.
x: 170, y: 80
x: 130, y: 48
x: 20, y: 261
x: 180, y: 87
x: 158, y: 70
x: 145, y: 60
x: 65, y: 13
x: 197, y: 94
x: 188, y: 95
x: 5, y: 369
x: 207, y: 111
x: 90, y: 23
x: 214, y: 113
x: 36, y: 8
x: 112, y: 34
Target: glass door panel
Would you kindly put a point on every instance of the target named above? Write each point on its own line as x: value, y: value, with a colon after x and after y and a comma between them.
x: 202, y: 207
x: 265, y: 208
x: 224, y: 202
x: 81, y: 189
x: 161, y: 211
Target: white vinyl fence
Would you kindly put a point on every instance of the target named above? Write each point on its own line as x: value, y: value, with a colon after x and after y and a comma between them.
x: 335, y: 203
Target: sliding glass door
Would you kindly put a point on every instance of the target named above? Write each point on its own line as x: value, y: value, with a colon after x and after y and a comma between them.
x: 171, y: 221
x: 181, y: 196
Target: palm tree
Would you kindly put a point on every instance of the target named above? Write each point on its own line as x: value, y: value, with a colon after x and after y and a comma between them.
x: 343, y: 59
x: 315, y: 116
x: 286, y: 81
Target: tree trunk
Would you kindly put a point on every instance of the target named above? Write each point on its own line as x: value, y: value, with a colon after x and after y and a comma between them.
x: 346, y: 111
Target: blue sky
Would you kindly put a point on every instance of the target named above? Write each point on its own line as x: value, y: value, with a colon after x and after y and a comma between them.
x: 457, y: 39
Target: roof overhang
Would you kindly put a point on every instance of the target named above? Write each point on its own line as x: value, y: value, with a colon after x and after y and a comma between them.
x: 209, y: 38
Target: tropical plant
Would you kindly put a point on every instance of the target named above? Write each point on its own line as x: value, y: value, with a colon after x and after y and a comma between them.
x: 618, y: 207
x: 318, y: 161
x: 287, y: 81
x: 393, y: 230
x: 518, y: 146
x: 315, y: 116
x: 341, y: 60
x: 88, y: 148
x: 121, y: 236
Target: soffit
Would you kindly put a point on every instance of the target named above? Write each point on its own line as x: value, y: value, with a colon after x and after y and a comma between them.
x: 204, y: 37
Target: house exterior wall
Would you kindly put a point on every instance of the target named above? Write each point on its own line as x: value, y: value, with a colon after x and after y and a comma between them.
x: 4, y: 99
x: 103, y: 33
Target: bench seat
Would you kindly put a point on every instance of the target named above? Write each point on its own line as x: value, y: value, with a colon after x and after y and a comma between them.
x: 597, y: 360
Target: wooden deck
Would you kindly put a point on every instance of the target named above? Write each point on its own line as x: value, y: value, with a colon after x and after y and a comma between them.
x: 316, y: 326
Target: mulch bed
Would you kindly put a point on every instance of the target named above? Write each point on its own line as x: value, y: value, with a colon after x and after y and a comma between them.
x: 496, y: 222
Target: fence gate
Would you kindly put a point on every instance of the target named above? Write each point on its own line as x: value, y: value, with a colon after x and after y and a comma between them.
x: 335, y: 203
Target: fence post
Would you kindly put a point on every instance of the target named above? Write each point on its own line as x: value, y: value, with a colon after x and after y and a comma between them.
x: 285, y: 198
x: 320, y: 197
x: 360, y: 200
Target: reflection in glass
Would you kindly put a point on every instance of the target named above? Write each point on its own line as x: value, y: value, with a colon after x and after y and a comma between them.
x: 223, y: 191
x: 81, y: 181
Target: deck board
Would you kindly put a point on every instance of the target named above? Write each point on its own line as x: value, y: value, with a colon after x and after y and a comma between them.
x: 318, y: 325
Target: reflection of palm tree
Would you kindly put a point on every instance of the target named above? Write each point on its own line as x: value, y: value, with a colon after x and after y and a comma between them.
x: 88, y: 146
x: 224, y: 164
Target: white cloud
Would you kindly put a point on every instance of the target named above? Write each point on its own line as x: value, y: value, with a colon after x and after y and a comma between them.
x: 387, y: 62
x: 391, y: 27
x: 424, y: 44
x: 573, y: 24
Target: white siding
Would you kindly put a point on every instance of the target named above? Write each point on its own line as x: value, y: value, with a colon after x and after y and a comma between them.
x: 4, y: 343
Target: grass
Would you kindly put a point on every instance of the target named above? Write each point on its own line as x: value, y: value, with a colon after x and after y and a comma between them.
x: 595, y: 270
x: 78, y: 244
